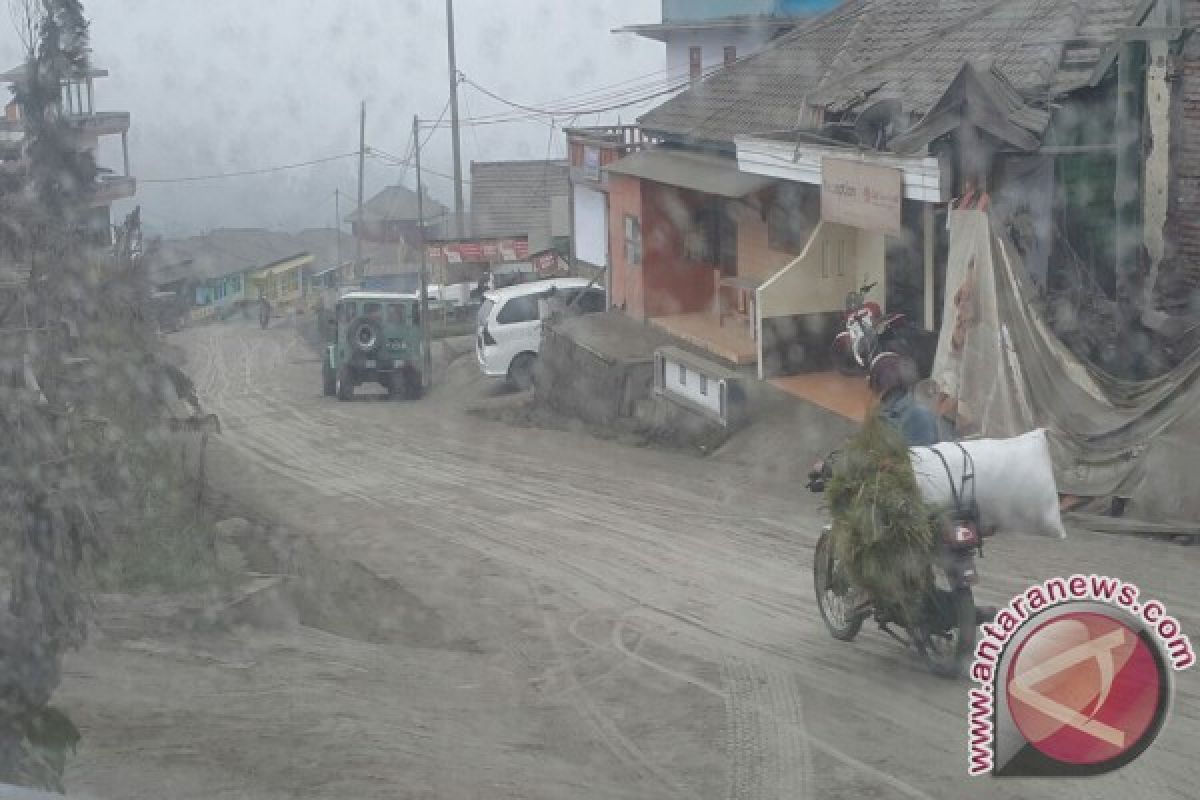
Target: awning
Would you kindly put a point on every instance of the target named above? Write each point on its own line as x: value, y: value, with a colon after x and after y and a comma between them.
x: 687, y: 170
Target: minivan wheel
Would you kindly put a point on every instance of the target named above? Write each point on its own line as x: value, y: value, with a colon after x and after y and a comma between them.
x: 520, y: 372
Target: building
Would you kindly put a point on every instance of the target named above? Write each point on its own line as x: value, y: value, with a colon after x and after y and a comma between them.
x: 521, y: 199
x: 704, y: 35
x: 724, y: 218
x: 388, y: 226
x: 78, y: 109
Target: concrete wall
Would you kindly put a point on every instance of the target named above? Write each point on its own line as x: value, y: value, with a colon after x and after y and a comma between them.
x: 577, y: 382
x: 712, y: 46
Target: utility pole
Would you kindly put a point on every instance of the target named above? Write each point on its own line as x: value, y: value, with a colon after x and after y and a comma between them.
x: 457, y: 144
x: 337, y: 220
x: 362, y: 166
x: 427, y: 366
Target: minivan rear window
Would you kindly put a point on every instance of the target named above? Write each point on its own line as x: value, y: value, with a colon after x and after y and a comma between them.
x: 519, y: 309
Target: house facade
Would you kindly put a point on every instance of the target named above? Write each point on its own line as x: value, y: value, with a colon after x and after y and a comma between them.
x: 705, y: 35
x: 89, y: 126
x: 908, y: 106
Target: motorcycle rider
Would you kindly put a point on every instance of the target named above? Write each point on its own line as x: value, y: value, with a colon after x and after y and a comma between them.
x: 891, y: 378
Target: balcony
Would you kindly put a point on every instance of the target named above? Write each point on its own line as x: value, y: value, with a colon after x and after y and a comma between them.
x: 100, y: 123
x: 591, y: 149
x: 110, y: 188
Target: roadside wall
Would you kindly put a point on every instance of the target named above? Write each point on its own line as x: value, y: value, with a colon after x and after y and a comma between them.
x: 579, y: 382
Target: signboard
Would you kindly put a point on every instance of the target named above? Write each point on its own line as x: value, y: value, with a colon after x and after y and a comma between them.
x: 546, y: 262
x: 591, y: 163
x: 479, y: 251
x: 861, y: 195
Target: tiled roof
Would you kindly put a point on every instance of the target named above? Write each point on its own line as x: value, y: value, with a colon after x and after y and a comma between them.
x: 910, y: 49
x: 397, y: 204
x: 511, y: 198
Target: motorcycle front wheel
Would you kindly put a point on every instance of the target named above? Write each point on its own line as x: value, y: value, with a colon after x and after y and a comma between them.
x: 947, y: 649
x: 835, y: 596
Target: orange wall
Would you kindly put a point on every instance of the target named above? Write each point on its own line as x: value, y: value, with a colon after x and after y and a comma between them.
x: 624, y: 198
x: 756, y: 259
x: 672, y: 284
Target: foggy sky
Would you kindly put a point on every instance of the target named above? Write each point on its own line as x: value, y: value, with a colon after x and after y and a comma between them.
x: 223, y: 85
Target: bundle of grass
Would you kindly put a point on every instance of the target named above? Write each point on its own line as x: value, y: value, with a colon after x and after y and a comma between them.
x: 882, y: 530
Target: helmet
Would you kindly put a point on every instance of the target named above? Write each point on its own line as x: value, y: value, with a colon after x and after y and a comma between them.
x: 890, y: 371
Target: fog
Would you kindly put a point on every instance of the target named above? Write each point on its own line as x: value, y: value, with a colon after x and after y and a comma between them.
x: 227, y: 85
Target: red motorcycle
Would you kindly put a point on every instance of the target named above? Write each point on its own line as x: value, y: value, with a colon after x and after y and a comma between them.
x: 868, y: 333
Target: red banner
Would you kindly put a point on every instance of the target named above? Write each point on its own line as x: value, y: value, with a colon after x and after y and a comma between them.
x: 489, y: 251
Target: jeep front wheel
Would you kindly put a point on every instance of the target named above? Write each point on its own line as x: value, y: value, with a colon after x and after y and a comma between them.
x: 345, y: 385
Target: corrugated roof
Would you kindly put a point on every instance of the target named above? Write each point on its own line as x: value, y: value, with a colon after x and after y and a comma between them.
x: 911, y: 49
x: 513, y: 198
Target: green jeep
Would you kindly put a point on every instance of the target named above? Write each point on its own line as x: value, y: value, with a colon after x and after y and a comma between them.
x: 374, y: 337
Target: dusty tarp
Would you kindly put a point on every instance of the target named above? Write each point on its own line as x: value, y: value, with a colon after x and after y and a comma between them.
x: 1010, y: 374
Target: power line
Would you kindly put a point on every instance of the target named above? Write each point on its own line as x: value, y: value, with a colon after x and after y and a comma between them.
x: 243, y: 173
x: 582, y: 111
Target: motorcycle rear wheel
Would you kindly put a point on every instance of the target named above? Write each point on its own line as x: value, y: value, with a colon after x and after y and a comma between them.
x: 835, y: 596
x: 947, y: 652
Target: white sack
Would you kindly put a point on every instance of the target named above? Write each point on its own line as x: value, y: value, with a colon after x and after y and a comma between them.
x: 1014, y: 482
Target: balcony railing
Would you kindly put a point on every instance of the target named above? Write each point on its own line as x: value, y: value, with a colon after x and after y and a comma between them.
x: 99, y: 123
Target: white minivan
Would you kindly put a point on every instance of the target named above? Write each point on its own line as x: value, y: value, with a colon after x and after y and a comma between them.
x: 508, y: 334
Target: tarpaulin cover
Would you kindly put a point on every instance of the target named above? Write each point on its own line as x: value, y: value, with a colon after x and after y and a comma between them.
x: 1010, y: 374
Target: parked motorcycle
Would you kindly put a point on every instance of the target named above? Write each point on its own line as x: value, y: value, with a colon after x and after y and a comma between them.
x: 868, y: 333
x: 944, y: 629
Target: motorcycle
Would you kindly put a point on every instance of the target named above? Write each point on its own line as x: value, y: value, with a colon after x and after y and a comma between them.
x: 868, y: 333
x: 943, y: 627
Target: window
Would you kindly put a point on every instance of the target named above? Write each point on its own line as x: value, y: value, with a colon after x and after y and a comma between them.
x: 373, y: 310
x: 633, y: 240
x: 695, y: 63
x: 396, y: 313
x: 592, y: 302
x: 682, y: 375
x: 730, y: 55
x: 519, y: 309
x: 346, y: 312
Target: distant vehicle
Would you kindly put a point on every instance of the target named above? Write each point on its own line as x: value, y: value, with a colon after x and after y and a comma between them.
x: 374, y: 337
x: 509, y: 328
x: 169, y: 311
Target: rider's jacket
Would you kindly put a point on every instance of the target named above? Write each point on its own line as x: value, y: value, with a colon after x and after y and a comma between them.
x: 916, y: 424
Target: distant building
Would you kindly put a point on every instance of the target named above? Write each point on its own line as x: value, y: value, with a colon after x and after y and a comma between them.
x: 521, y: 199
x: 703, y: 35
x: 78, y: 110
